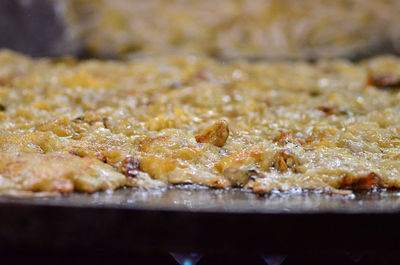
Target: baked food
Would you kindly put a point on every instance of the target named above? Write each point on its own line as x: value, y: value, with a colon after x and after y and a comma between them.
x: 233, y: 28
x: 93, y: 125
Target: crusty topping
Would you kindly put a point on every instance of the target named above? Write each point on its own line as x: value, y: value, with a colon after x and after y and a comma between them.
x: 237, y: 176
x: 361, y: 183
x: 58, y: 172
x: 79, y: 118
x: 285, y: 138
x: 328, y: 110
x: 130, y: 166
x: 240, y: 176
x: 384, y: 81
x: 285, y: 160
x: 75, y: 124
x: 216, y: 134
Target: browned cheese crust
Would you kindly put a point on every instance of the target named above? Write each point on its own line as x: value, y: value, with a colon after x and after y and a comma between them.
x: 85, y: 126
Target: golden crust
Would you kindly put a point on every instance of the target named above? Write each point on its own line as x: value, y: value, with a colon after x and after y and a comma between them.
x: 160, y: 121
x: 58, y: 172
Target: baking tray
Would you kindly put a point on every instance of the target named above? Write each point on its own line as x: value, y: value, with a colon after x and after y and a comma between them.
x: 184, y: 218
x: 196, y: 219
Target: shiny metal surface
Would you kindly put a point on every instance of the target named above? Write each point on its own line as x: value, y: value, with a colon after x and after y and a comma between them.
x: 200, y: 199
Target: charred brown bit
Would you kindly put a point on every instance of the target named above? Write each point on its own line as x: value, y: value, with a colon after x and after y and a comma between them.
x: 75, y: 153
x: 285, y: 138
x: 254, y: 174
x: 202, y: 74
x: 216, y: 134
x: 363, y: 183
x: 105, y: 120
x: 327, y: 110
x: 130, y: 166
x: 315, y: 93
x: 2, y: 107
x: 384, y: 81
x: 90, y: 118
x: 77, y: 119
x: 285, y: 161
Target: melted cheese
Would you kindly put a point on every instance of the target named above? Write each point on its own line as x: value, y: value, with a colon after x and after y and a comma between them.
x: 160, y: 121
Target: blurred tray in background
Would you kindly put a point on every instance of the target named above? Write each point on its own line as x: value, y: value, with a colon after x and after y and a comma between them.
x: 224, y: 29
